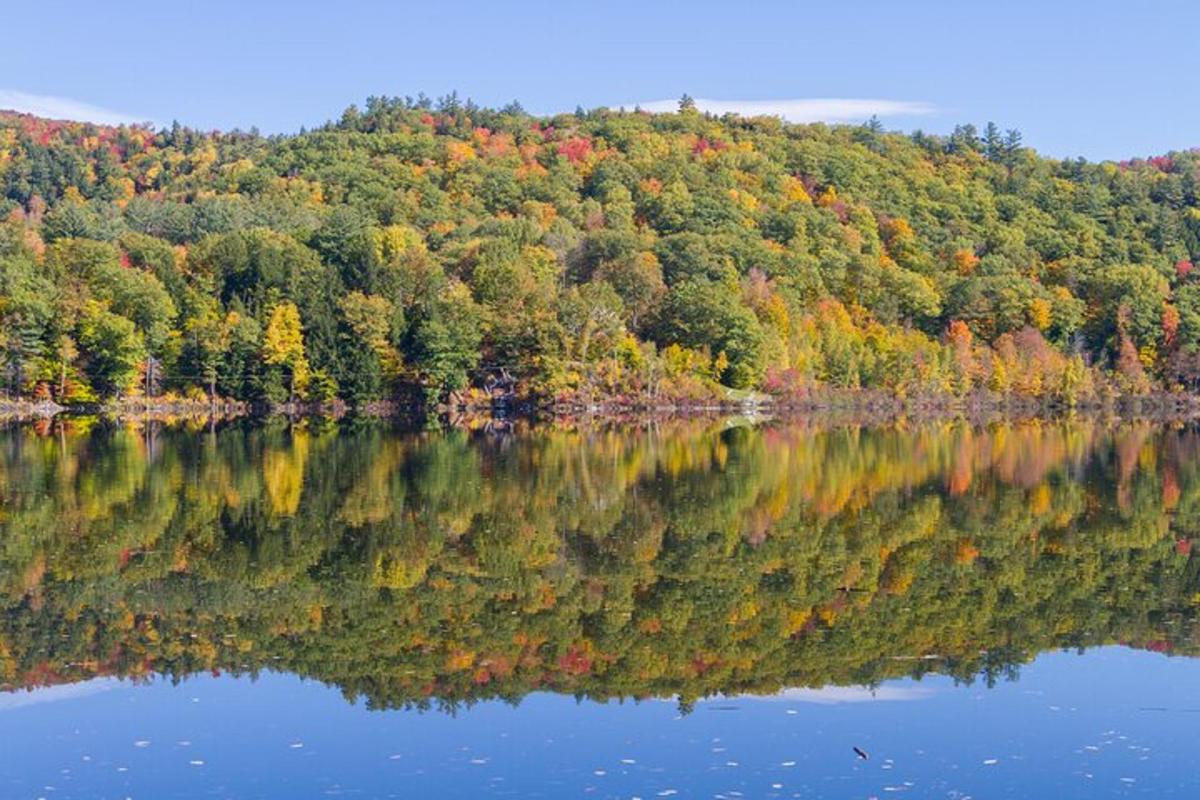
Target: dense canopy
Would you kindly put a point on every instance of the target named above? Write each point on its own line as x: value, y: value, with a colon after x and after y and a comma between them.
x: 419, y: 249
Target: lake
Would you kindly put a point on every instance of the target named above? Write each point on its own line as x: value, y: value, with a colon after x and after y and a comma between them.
x: 690, y: 608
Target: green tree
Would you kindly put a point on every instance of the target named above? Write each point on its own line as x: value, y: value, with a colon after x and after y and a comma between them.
x: 111, y: 348
x: 445, y: 344
x: 709, y: 315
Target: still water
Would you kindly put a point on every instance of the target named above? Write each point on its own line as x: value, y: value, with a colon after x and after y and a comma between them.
x: 691, y: 609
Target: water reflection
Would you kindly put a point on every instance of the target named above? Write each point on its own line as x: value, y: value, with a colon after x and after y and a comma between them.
x: 681, y: 559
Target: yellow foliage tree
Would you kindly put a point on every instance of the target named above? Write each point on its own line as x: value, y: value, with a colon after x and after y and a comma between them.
x: 283, y: 345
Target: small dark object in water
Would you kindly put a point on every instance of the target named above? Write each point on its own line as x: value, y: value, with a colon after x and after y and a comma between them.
x: 861, y: 754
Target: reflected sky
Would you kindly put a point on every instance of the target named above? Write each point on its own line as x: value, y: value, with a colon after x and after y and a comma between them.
x: 1109, y: 723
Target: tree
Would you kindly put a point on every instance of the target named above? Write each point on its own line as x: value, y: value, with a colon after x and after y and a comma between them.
x: 372, y: 360
x: 704, y: 314
x: 965, y: 138
x: 206, y: 342
x: 445, y: 344
x: 283, y: 346
x: 638, y: 281
x: 591, y: 316
x: 517, y: 288
x: 1127, y: 302
x: 993, y: 142
x: 1012, y: 146
x: 257, y: 268
x: 344, y: 240
x: 111, y: 348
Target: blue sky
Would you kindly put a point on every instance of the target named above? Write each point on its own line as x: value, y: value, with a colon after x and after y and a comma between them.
x: 1098, y: 79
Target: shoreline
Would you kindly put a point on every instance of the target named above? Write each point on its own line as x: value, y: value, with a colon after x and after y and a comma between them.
x: 860, y: 406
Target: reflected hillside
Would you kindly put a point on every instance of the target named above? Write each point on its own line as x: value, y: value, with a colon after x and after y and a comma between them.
x: 683, y: 559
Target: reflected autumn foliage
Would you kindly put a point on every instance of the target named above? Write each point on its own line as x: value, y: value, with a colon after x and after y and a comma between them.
x: 673, y: 559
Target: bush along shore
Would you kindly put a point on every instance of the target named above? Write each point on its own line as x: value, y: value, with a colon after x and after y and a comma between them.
x: 418, y: 254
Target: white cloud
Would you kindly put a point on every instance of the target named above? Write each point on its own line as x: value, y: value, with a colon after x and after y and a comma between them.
x: 833, y: 695
x: 63, y: 108
x: 813, y: 109
x: 52, y: 694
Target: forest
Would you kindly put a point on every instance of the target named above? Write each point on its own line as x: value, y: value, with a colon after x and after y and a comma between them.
x: 674, y: 560
x: 426, y: 252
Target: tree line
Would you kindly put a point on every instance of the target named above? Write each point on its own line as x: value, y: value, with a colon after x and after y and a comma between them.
x: 420, y: 249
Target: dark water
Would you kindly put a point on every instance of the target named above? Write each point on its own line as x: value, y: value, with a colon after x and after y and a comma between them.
x: 692, y: 609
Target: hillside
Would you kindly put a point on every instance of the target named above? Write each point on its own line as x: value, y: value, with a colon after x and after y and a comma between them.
x: 425, y: 249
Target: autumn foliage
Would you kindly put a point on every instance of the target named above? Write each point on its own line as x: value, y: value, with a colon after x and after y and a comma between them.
x: 431, y: 249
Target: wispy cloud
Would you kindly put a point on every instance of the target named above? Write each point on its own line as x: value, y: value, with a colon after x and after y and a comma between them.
x: 812, y: 109
x: 834, y: 695
x: 63, y: 108
x: 53, y: 694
